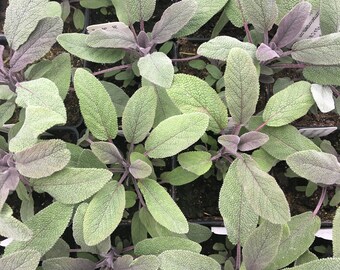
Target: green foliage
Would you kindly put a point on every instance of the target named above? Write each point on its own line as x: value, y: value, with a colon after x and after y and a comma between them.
x: 336, y: 234
x: 68, y: 264
x: 197, y: 162
x: 329, y: 263
x: 21, y: 260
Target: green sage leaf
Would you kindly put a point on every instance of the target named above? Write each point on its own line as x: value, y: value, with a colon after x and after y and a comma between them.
x: 140, y: 169
x: 329, y: 264
x: 197, y: 162
x: 66, y: 263
x: 336, y: 234
x: 10, y: 227
x: 22, y: 260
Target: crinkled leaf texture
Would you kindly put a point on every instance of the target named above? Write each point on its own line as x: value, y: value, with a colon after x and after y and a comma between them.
x: 324, y: 50
x: 198, y: 233
x: 47, y: 226
x: 219, y: 47
x: 261, y: 246
x: 252, y: 140
x: 233, y: 13
x: 175, y: 134
x: 323, y: 96
x: 261, y: 14
x: 322, y: 74
x: 73, y: 185
x: 139, y: 114
x: 186, y: 260
x: 288, y: 105
x: 118, y: 96
x: 329, y: 16
x: 95, y: 105
x: 42, y: 159
x: 336, y: 234
x: 264, y: 160
x: 173, y: 19
x: 162, y: 207
x: 191, y: 94
x: 6, y: 111
x: 265, y: 53
x: 157, y: 245
x: 65, y: 263
x: 38, y: 44
x: 75, y: 44
x: 44, y: 109
x: 104, y: 213
x: 238, y: 216
x: 106, y: 152
x: 318, y: 167
x: 10, y: 227
x: 197, y: 162
x: 22, y: 17
x: 302, y: 229
x: 242, y: 85
x: 322, y: 264
x: 262, y: 192
x: 157, y: 68
x: 140, y: 169
x: 22, y: 260
x: 144, y: 262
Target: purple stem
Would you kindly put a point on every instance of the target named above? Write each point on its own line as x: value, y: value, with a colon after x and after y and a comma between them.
x: 335, y: 91
x: 322, y: 198
x: 142, y: 27
x: 186, y: 58
x: 125, y: 174
x: 245, y: 24
x: 265, y: 38
x: 139, y: 194
x: 237, y: 129
x: 112, y: 69
x: 238, y: 256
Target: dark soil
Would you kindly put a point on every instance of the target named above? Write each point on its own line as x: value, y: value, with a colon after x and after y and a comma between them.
x: 318, y: 120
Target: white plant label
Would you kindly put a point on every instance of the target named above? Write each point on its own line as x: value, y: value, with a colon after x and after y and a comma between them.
x: 323, y: 97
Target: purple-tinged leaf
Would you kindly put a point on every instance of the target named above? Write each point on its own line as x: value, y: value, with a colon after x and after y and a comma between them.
x: 9, y: 179
x: 38, y: 44
x: 252, y: 140
x: 2, y: 48
x: 173, y: 19
x: 115, y: 35
x: 265, y: 53
x: 230, y: 142
x: 291, y: 25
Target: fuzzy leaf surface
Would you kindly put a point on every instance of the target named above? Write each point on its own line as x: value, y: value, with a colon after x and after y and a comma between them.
x: 73, y: 185
x: 95, y: 105
x: 321, y: 264
x: 65, y: 263
x: 329, y: 16
x: 238, y: 215
x: 322, y: 74
x: 45, y: 232
x: 230, y: 142
x: 38, y: 44
x: 288, y: 105
x: 175, y: 134
x: 107, y: 153
x: 265, y: 53
x: 178, y: 176
x: 336, y: 234
x: 162, y: 207
x: 197, y: 162
x: 140, y: 169
x: 186, y: 260
x: 138, y: 230
x: 6, y: 111
x: 264, y: 160
x: 191, y: 94
x: 242, y: 85
x: 22, y: 260
x: 75, y: 44
x: 139, y: 114
x: 104, y: 213
x: 252, y: 140
x: 10, y: 227
x: 118, y: 96
x: 323, y: 97
x: 198, y: 233
x: 174, y: 18
x: 219, y: 48
x: 43, y: 159
x: 318, y: 167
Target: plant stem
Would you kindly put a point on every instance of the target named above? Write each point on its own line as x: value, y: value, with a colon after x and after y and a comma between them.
x: 139, y: 194
x: 261, y: 126
x: 125, y: 174
x: 322, y: 198
x: 335, y: 91
x: 112, y: 69
x: 237, y: 129
x: 265, y: 38
x: 141, y: 23
x: 186, y: 58
x: 288, y: 66
x: 238, y: 256
x: 245, y: 24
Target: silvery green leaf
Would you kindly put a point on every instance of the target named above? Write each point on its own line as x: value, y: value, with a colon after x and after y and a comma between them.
x: 191, y: 94
x: 305, y: 258
x: 281, y: 83
x: 66, y: 263
x: 104, y: 213
x: 219, y: 47
x: 73, y: 185
x: 131, y: 11
x: 38, y: 44
x: 186, y: 260
x: 286, y: 5
x: 230, y: 142
x: 265, y: 53
x: 157, y: 245
x: 233, y: 13
x: 60, y: 249
x: 288, y: 104
x: 242, y: 85
x: 6, y: 111
x: 318, y: 51
x: 175, y: 134
x: 96, y: 106
x: 130, y: 198
x: 95, y: 4
x: 261, y: 14
x: 162, y: 207
x: 107, y: 153
x: 321, y: 264
x: 140, y: 169
x: 157, y: 68
x: 22, y: 17
x: 47, y: 226
x: 327, y: 147
x: 238, y: 215
x: 83, y: 158
x: 75, y: 43
x: 118, y: 97
x: 43, y: 159
x: 336, y: 234
x: 78, y: 19
x: 323, y: 97
x: 205, y: 11
x: 318, y: 167
x: 261, y: 246
x: 9, y: 180
x: 138, y: 230
x: 145, y: 262
x: 3, y: 144
x: 134, y: 156
x: 264, y: 160
x: 291, y: 24
x: 262, y: 192
x: 53, y: 9
x: 329, y: 16
x: 302, y: 229
x: 198, y: 233
x: 197, y: 162
x: 252, y: 140
x: 5, y: 92
x: 139, y: 114
x: 10, y: 227
x: 322, y: 74
x: 26, y: 259
x: 116, y: 35
x: 123, y: 262
x: 178, y: 176
x: 174, y: 18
